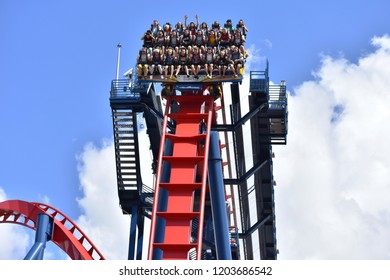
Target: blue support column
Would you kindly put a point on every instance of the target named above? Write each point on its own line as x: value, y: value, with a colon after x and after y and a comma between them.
x: 217, y: 198
x: 43, y: 234
x: 141, y: 219
x: 162, y: 201
x: 133, y: 231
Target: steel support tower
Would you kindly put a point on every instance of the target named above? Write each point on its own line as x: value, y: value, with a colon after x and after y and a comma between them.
x: 193, y: 144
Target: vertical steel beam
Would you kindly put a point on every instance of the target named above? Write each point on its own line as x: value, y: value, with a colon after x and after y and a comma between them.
x: 43, y: 234
x: 140, y: 223
x: 217, y: 198
x: 238, y: 141
x: 133, y: 230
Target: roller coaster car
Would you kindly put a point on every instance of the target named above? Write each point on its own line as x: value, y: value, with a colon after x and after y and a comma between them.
x: 191, y: 79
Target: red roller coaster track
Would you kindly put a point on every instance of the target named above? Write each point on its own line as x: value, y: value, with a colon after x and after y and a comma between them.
x: 66, y: 234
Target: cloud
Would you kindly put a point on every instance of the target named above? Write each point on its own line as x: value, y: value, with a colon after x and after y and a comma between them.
x: 333, y: 177
x: 14, y: 239
x: 102, y: 219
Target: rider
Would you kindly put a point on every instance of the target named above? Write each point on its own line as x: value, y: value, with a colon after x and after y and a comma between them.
x: 225, y: 38
x: 229, y: 26
x: 223, y: 62
x: 242, y: 27
x: 148, y: 41
x: 156, y: 62
x: 170, y: 61
x: 237, y: 61
x: 160, y: 41
x: 209, y: 60
x: 182, y: 61
x: 155, y: 27
x: 192, y: 27
x: 143, y: 59
x: 196, y: 59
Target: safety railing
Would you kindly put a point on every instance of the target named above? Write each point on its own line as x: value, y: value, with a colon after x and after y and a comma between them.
x: 259, y: 80
x: 277, y: 98
x: 123, y: 88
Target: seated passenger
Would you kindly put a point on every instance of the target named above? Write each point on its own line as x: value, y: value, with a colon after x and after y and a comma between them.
x: 239, y: 41
x: 222, y: 62
x: 196, y: 59
x: 143, y: 59
x: 237, y: 61
x: 241, y: 26
x: 212, y: 40
x: 182, y: 61
x: 224, y: 38
x: 186, y: 40
x: 148, y: 41
x: 155, y: 27
x: 179, y: 27
x: 192, y: 27
x: 173, y: 41
x: 229, y: 26
x: 209, y: 60
x: 156, y: 62
x: 200, y: 40
x: 167, y: 29
x: 170, y: 62
x: 159, y: 41
x: 216, y: 27
x: 204, y: 28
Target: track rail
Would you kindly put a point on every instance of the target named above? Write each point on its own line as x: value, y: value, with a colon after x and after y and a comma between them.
x: 66, y: 234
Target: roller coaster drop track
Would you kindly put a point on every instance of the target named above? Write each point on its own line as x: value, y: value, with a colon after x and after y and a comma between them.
x: 66, y: 234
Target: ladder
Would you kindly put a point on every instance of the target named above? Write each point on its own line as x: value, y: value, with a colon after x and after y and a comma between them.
x: 186, y: 186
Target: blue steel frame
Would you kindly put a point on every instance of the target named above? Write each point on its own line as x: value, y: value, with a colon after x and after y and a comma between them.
x: 42, y: 235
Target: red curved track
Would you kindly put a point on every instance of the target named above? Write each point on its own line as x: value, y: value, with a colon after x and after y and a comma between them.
x: 66, y: 234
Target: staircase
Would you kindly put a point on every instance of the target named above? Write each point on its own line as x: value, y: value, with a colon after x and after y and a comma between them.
x: 126, y: 156
x: 186, y: 185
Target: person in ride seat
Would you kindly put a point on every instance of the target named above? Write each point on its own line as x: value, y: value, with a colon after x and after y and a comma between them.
x: 170, y: 62
x: 205, y: 29
x: 229, y: 26
x: 192, y: 27
x: 212, y: 40
x: 239, y: 40
x: 223, y: 62
x: 156, y: 62
x: 148, y: 41
x: 200, y: 40
x: 173, y: 41
x: 155, y: 27
x: 209, y: 61
x: 242, y: 27
x: 159, y: 41
x: 216, y: 27
x: 167, y: 29
x: 237, y: 61
x: 179, y: 27
x: 143, y: 60
x: 196, y: 60
x: 225, y: 38
x: 186, y: 40
x: 182, y: 62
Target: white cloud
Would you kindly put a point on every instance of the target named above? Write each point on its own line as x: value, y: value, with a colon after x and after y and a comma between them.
x: 333, y: 177
x: 102, y: 219
x: 14, y: 239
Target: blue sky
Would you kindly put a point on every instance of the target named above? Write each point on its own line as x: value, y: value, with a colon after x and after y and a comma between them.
x: 58, y: 58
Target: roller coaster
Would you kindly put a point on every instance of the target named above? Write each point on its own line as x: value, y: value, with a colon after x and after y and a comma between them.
x: 207, y: 202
